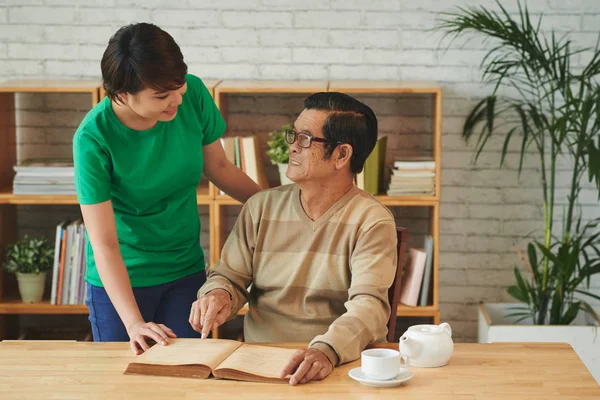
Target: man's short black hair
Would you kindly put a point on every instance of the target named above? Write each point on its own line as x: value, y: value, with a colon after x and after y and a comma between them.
x: 348, y: 121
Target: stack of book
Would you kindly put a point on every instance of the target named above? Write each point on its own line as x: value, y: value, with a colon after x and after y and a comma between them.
x: 412, y: 178
x: 44, y: 177
x: 68, y: 284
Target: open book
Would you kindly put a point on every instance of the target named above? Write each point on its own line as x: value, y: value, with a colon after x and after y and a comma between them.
x: 225, y: 359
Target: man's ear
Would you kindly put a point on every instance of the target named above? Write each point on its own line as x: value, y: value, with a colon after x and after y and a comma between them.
x: 344, y: 154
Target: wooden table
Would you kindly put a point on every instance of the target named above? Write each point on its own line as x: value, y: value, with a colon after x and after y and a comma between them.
x: 79, y: 370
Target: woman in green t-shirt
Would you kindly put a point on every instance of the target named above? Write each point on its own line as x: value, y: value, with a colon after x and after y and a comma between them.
x: 139, y: 155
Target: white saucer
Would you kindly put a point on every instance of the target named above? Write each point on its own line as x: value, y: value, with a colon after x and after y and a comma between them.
x: 403, y: 376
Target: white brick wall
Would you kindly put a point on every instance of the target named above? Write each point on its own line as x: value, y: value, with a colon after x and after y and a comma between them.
x: 484, y: 210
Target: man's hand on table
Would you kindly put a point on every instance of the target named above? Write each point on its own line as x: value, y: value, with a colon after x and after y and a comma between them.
x: 307, y: 365
x: 210, y: 311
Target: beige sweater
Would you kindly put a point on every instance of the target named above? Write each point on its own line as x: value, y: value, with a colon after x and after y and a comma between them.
x: 323, y: 282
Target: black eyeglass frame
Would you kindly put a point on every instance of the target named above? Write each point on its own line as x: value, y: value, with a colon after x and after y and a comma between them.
x: 296, y: 135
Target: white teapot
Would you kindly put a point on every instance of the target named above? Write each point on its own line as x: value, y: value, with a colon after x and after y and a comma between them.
x: 427, y: 345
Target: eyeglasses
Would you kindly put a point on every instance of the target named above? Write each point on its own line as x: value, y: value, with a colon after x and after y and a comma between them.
x: 304, y: 140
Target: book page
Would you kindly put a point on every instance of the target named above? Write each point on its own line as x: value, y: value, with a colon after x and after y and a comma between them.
x: 261, y: 361
x: 209, y: 352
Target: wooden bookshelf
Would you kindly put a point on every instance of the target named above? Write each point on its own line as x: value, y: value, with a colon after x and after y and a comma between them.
x: 9, y: 300
x: 207, y: 193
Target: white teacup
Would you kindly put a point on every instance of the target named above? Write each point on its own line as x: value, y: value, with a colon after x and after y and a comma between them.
x: 381, y: 364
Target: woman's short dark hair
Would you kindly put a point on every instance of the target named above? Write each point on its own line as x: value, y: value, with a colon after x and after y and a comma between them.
x: 349, y: 121
x: 139, y: 56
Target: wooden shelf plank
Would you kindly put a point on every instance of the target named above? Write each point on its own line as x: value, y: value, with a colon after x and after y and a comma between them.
x: 408, y: 200
x: 378, y: 87
x: 426, y: 311
x: 271, y: 86
x: 44, y: 307
x: 51, y: 85
x: 7, y: 197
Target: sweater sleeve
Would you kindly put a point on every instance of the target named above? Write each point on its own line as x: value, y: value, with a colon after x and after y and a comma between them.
x: 233, y: 271
x: 373, y: 268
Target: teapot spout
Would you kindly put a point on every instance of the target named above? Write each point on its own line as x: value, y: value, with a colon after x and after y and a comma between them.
x: 409, y: 347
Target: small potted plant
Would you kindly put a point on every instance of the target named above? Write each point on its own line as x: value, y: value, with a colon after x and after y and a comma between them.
x: 279, y: 152
x: 30, y: 259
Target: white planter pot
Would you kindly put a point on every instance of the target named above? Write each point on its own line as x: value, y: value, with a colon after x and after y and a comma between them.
x: 282, y: 170
x: 582, y: 335
x: 31, y: 286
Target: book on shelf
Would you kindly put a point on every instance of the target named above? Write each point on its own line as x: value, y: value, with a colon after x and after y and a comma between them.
x: 417, y: 275
x: 219, y: 358
x: 417, y: 162
x: 371, y: 178
x: 68, y: 272
x: 425, y: 286
x: 45, y: 164
x: 412, y: 277
x: 243, y: 152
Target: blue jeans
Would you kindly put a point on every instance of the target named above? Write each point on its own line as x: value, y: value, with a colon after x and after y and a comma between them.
x: 167, y: 304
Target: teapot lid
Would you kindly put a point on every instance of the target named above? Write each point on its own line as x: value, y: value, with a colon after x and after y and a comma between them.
x: 426, y: 329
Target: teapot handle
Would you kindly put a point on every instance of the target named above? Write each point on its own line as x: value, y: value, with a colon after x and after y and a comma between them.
x: 446, y: 327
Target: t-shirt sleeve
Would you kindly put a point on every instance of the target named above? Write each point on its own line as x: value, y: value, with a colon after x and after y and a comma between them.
x: 213, y: 124
x: 92, y: 170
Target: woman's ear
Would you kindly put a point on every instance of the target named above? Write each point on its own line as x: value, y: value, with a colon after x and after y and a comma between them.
x: 123, y: 98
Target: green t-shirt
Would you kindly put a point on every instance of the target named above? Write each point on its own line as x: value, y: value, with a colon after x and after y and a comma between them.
x: 151, y: 177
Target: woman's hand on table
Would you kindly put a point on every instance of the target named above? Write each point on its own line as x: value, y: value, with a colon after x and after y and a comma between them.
x: 139, y: 331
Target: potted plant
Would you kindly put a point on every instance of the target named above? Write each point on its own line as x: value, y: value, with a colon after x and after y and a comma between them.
x: 30, y: 259
x: 278, y: 152
x: 554, y: 109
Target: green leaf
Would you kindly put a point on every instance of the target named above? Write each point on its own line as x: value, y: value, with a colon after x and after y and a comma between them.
x: 548, y: 254
x: 523, y: 287
x: 570, y: 314
x: 522, y: 318
x: 515, y: 292
x: 533, y: 261
x: 474, y: 117
x: 594, y: 163
x: 524, y: 312
x: 587, y: 294
x: 506, y: 144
